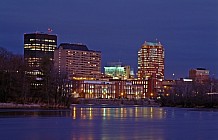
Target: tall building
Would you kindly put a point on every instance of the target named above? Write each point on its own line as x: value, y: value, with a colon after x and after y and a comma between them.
x: 200, y: 75
x: 151, y: 66
x: 36, y: 47
x: 77, y: 61
x: 117, y: 71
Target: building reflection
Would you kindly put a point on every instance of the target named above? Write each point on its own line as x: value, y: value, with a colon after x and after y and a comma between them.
x: 74, y: 112
x: 118, y: 121
x: 82, y: 113
x: 104, y: 113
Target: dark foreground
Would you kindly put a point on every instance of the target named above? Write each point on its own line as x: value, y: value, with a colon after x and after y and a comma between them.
x: 109, y: 122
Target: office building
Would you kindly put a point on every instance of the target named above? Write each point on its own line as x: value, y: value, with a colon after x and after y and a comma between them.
x: 117, y: 71
x: 200, y: 75
x: 144, y: 83
x: 38, y: 46
x: 151, y: 66
x: 77, y: 61
x: 106, y: 89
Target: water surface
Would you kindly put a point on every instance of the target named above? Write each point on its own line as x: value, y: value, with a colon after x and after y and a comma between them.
x: 91, y: 123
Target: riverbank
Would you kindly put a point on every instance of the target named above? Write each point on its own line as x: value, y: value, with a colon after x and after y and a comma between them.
x: 115, y: 102
x: 83, y: 101
x: 30, y: 106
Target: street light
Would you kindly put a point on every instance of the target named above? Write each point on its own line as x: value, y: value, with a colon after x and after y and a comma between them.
x: 152, y: 95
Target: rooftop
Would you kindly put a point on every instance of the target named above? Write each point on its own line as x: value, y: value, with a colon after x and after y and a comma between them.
x: 39, y: 33
x: 201, y: 69
x: 152, y: 43
x: 75, y: 46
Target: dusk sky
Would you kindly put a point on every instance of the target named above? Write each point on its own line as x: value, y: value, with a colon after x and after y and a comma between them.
x: 188, y: 29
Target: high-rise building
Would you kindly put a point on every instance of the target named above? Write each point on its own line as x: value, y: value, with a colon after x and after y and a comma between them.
x: 200, y: 75
x: 77, y: 61
x: 151, y: 66
x: 36, y: 47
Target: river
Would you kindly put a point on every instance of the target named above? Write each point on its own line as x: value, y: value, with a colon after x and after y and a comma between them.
x: 109, y: 123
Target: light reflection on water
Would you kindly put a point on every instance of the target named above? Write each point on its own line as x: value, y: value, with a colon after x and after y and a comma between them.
x: 90, y: 113
x: 106, y: 123
x: 118, y: 123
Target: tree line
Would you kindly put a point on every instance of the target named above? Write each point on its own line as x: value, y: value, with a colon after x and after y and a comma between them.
x: 18, y: 86
x: 192, y: 94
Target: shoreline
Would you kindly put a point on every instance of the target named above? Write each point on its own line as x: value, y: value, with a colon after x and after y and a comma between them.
x: 30, y: 106
x: 87, y: 105
x: 116, y: 102
x: 84, y: 102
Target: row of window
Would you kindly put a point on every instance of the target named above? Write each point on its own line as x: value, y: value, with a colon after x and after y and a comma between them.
x: 44, y: 40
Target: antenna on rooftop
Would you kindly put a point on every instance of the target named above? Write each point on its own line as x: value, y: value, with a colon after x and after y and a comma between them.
x: 158, y: 41
x: 49, y: 30
x: 37, y: 30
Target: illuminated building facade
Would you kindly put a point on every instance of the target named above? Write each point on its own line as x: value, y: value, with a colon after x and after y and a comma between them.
x: 143, y: 83
x: 117, y: 71
x: 200, y: 75
x: 151, y: 66
x: 77, y: 61
x: 126, y: 89
x: 36, y: 47
x: 106, y: 89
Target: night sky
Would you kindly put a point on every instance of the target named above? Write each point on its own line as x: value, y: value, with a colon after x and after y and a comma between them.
x: 188, y: 29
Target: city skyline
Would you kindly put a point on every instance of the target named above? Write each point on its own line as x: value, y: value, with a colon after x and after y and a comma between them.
x: 187, y: 29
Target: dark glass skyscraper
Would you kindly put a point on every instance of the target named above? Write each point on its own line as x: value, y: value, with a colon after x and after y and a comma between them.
x: 36, y: 47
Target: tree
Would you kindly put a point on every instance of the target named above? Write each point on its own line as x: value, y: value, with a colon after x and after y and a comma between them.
x: 11, y: 76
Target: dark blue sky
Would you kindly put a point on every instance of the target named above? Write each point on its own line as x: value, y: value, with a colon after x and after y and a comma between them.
x: 188, y: 29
